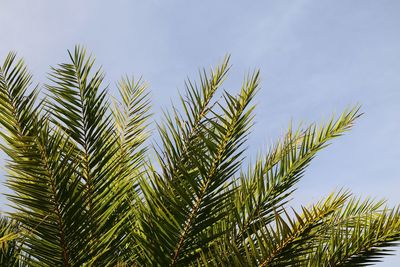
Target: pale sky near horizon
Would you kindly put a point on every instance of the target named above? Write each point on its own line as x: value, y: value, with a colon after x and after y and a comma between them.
x: 316, y: 58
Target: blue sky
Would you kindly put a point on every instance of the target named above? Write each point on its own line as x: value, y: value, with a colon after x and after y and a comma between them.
x: 316, y: 58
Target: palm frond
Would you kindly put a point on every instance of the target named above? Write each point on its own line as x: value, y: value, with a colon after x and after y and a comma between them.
x: 267, y: 186
x: 41, y: 179
x: 280, y: 243
x: 131, y: 117
x: 10, y: 249
x: 223, y: 139
x: 80, y: 107
x: 358, y: 234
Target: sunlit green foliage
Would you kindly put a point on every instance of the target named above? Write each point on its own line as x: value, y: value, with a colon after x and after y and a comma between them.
x: 88, y: 189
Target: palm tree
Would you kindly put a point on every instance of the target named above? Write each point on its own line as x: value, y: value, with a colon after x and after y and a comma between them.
x: 90, y: 190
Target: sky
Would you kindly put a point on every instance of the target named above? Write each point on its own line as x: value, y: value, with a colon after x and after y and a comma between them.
x: 316, y: 58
